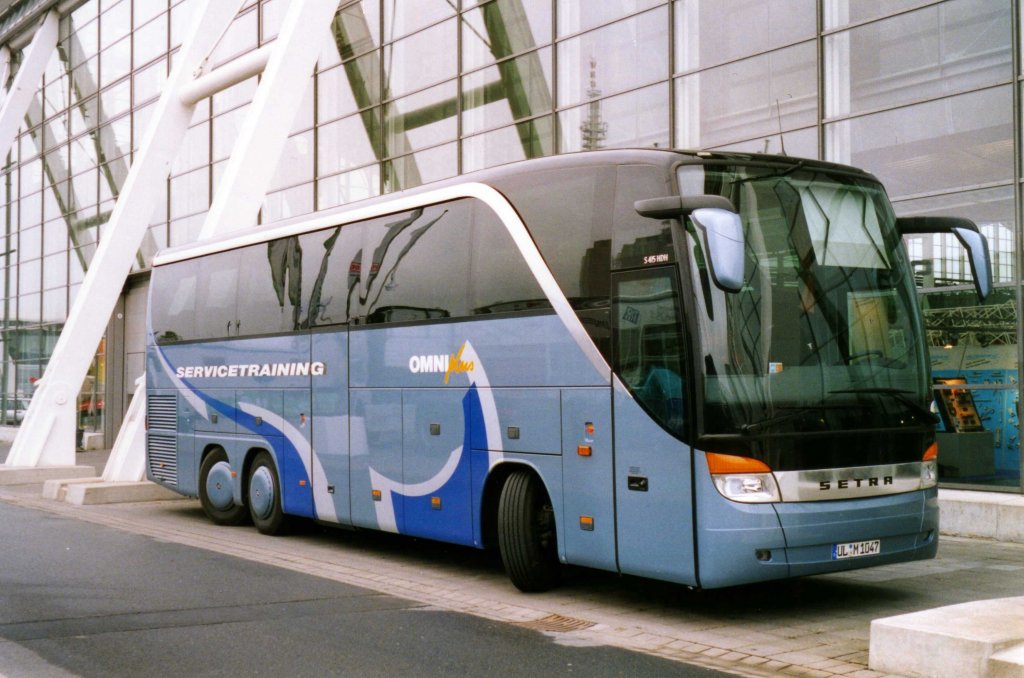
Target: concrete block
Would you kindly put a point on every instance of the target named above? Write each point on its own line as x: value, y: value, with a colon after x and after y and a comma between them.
x: 25, y: 475
x: 948, y: 642
x: 1010, y: 523
x: 988, y: 515
x: 56, y: 488
x: 1007, y: 664
x: 117, y: 493
x: 92, y: 441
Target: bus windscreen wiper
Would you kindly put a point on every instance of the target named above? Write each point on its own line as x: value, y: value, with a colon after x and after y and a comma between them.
x: 756, y: 426
x: 899, y: 395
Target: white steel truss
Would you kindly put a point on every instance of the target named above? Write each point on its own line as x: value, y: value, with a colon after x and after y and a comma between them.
x: 47, y: 434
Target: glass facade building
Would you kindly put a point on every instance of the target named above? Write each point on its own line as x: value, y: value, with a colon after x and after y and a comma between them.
x: 925, y: 94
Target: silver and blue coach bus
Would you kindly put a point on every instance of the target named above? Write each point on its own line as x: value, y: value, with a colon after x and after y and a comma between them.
x: 705, y: 368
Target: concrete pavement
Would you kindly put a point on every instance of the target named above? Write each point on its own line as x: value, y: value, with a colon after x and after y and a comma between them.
x: 817, y: 626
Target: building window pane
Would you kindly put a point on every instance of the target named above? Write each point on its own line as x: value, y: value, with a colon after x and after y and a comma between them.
x: 346, y: 143
x: 348, y: 187
x: 420, y: 60
x: 347, y: 88
x: 190, y: 193
x: 115, y: 62
x: 288, y: 203
x: 530, y: 139
x: 614, y: 58
x: 943, y: 49
x: 712, y: 33
x: 420, y: 168
x: 295, y: 165
x: 757, y: 97
x: 419, y: 121
x: 499, y: 29
x: 635, y: 119
x: 839, y: 13
x: 240, y: 37
x: 931, y: 147
x: 402, y: 18
x: 115, y: 23
x: 512, y: 90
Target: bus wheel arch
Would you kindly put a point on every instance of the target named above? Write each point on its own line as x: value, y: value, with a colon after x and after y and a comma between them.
x: 526, y: 531
x: 216, y: 489
x: 263, y: 493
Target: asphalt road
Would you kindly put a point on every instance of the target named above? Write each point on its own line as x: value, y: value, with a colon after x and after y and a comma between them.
x: 85, y: 599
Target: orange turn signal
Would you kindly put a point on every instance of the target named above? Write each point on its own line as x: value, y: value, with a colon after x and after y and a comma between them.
x: 729, y: 463
x: 932, y: 453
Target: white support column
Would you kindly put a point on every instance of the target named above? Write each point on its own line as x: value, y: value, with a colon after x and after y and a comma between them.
x: 47, y: 435
x: 5, y: 64
x: 264, y: 132
x: 26, y: 80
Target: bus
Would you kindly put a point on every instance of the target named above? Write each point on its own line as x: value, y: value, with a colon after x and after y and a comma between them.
x: 703, y: 368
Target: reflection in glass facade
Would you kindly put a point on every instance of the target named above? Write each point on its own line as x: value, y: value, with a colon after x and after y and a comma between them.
x: 925, y: 94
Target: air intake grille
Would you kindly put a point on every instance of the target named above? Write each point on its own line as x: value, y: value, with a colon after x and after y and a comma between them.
x: 162, y: 412
x: 162, y: 454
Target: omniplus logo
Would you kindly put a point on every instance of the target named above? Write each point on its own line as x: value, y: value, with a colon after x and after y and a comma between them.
x: 441, y: 364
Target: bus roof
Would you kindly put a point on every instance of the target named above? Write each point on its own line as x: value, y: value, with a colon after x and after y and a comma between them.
x: 361, y: 209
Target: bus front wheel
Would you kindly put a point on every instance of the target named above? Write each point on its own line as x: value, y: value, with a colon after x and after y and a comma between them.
x: 216, y: 493
x: 265, y: 495
x: 526, y: 533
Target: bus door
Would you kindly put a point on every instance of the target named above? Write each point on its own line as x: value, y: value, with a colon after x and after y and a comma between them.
x: 330, y: 427
x: 653, y: 479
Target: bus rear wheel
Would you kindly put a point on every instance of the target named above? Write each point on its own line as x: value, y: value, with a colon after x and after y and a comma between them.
x: 265, y: 495
x: 216, y: 492
x: 526, y: 534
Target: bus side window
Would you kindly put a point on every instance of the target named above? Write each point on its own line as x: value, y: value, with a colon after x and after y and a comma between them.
x: 331, y: 269
x: 569, y: 214
x: 172, y: 310
x: 648, y: 353
x: 418, y: 265
x: 271, y: 281
x: 502, y: 282
x: 216, y: 313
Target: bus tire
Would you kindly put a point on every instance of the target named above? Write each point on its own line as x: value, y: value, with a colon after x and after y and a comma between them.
x: 264, y: 495
x: 215, y: 490
x: 526, y: 534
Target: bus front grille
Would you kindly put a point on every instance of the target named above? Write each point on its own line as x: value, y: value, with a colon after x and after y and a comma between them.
x: 162, y: 454
x: 162, y: 412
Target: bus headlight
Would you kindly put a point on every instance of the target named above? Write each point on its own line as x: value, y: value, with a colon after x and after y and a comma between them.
x: 743, y: 479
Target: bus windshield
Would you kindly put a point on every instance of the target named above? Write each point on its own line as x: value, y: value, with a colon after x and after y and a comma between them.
x: 825, y: 333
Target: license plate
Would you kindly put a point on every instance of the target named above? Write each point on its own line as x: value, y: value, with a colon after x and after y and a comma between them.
x: 856, y: 549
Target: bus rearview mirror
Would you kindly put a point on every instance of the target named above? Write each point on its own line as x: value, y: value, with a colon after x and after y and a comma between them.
x: 967, y: 233
x: 722, y: 232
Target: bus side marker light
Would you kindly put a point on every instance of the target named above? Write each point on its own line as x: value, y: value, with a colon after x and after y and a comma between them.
x: 234, y: 474
x: 376, y: 495
x: 728, y: 463
x: 587, y: 523
x: 435, y: 503
x: 584, y: 450
x: 302, y: 483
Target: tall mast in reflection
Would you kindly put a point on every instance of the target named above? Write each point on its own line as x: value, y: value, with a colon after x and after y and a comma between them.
x: 593, y: 129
